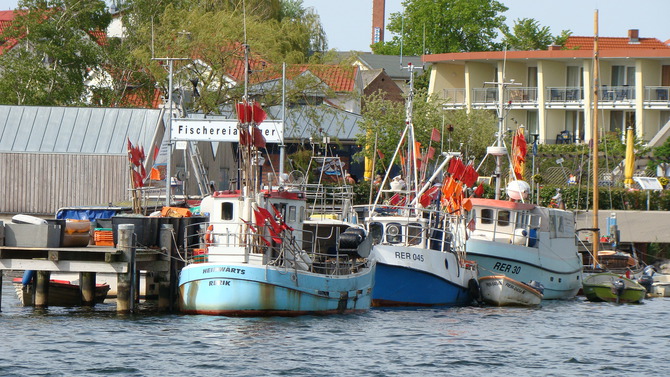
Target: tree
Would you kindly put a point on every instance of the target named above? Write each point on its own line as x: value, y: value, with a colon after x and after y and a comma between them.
x: 383, y: 122
x: 527, y: 34
x: 57, y: 48
x: 439, y: 26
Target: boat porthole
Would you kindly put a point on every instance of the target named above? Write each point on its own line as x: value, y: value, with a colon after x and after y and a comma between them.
x: 293, y: 277
x: 446, y: 264
x: 551, y: 278
x: 560, y: 280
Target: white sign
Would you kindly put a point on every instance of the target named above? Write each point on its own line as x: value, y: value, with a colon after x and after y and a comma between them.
x: 221, y: 130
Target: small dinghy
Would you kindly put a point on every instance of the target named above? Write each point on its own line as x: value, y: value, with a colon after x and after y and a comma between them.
x: 501, y: 290
x: 611, y: 287
x: 61, y: 292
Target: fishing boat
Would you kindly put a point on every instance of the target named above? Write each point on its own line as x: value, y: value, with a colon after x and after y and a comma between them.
x: 610, y: 287
x: 61, y: 292
x: 518, y: 239
x: 254, y: 261
x: 501, y: 290
x: 418, y: 245
x: 660, y: 286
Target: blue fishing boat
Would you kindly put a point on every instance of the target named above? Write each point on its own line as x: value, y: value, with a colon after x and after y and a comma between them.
x: 259, y: 267
x: 418, y: 244
x: 258, y: 258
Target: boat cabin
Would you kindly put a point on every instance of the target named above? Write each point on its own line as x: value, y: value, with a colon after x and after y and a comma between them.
x: 518, y: 223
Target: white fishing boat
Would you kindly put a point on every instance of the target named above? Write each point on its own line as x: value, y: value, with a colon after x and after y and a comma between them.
x: 418, y: 243
x: 501, y: 290
x: 518, y: 239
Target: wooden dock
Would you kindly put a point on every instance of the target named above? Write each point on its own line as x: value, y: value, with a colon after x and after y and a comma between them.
x: 124, y: 260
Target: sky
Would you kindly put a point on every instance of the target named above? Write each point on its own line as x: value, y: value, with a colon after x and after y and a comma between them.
x: 348, y: 23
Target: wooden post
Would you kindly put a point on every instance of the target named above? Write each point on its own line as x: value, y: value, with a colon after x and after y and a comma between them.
x: 124, y: 301
x: 162, y: 278
x: 42, y: 289
x: 87, y: 286
x: 1, y: 273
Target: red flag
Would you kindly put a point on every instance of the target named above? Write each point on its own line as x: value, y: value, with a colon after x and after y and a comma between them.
x: 381, y: 155
x: 282, y: 223
x: 456, y: 168
x: 137, y: 180
x: 435, y: 135
x: 430, y: 154
x: 429, y: 196
x: 244, y: 112
x: 259, y: 139
x: 471, y: 225
x: 470, y: 176
x: 479, y: 191
x: 259, y: 114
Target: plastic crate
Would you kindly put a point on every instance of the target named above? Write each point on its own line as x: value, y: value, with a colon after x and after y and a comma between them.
x: 103, y: 237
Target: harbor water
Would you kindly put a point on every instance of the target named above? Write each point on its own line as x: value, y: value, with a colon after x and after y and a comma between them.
x: 559, y: 338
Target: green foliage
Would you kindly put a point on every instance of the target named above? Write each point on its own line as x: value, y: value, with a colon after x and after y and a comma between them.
x: 55, y: 53
x: 660, y: 153
x: 439, y: 26
x: 527, y: 34
x: 384, y: 121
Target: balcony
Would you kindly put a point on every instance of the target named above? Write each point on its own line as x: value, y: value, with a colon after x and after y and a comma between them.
x: 454, y: 98
x: 657, y: 97
x: 564, y: 97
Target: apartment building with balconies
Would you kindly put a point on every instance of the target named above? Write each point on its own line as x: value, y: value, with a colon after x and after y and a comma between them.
x: 550, y: 91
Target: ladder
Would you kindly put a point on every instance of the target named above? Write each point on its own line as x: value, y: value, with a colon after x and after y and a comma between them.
x: 199, y: 169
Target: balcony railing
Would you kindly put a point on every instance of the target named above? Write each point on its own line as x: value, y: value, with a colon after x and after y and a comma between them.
x: 454, y: 96
x: 484, y: 95
x: 517, y: 95
x: 616, y: 93
x: 657, y: 93
x: 564, y: 94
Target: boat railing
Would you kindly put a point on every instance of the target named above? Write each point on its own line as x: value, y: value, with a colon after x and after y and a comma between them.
x: 414, y: 226
x: 290, y: 249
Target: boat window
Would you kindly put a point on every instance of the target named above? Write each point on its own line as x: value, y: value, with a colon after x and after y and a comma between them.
x: 226, y: 211
x: 414, y: 233
x: 487, y: 216
x: 393, y: 233
x: 521, y: 219
x: 376, y: 232
x: 503, y: 218
x: 302, y: 214
x: 291, y: 214
x: 560, y: 223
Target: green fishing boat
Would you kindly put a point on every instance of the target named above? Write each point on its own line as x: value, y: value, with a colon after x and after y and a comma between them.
x: 611, y: 287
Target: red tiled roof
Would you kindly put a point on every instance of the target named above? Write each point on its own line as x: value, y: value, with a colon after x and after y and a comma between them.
x: 6, y: 18
x: 338, y: 78
x: 613, y: 43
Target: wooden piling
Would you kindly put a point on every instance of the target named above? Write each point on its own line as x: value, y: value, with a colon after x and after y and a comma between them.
x: 1, y: 273
x: 124, y: 299
x: 41, y: 296
x: 87, y: 286
x: 165, y: 294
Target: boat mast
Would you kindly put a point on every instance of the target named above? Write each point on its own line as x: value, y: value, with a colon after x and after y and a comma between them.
x: 594, y: 138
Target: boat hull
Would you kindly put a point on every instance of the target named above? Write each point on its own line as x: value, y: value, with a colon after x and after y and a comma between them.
x: 238, y: 289
x: 599, y: 288
x: 61, y: 293
x: 501, y: 290
x: 560, y: 272
x: 408, y: 276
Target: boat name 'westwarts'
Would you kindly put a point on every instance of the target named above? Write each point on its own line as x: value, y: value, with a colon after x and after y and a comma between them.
x: 240, y: 271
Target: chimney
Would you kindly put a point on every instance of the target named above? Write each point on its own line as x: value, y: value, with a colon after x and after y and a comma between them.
x: 633, y: 36
x: 378, y: 15
x: 555, y: 47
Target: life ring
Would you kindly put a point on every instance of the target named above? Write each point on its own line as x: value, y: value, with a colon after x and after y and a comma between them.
x: 208, y: 235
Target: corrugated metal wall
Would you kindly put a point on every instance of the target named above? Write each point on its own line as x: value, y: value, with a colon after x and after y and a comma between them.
x: 39, y: 183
